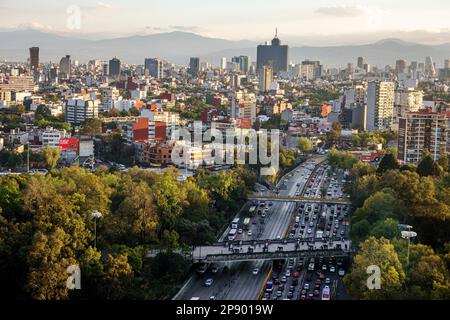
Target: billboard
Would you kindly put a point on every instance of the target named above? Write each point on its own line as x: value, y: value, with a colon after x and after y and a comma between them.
x: 68, y: 144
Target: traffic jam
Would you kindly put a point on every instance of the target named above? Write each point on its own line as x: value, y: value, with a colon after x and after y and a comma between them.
x: 317, y: 278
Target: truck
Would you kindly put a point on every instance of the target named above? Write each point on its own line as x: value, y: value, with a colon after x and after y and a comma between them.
x: 246, y: 224
x: 235, y: 223
x: 232, y: 235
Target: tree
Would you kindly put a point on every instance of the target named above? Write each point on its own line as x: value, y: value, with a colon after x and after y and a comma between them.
x: 92, y: 127
x: 51, y: 156
x: 305, y: 145
x: 380, y: 253
x: 389, y: 162
x: 428, y: 167
x: 443, y: 162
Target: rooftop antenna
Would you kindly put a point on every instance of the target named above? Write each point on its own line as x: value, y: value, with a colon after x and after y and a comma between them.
x: 276, y: 32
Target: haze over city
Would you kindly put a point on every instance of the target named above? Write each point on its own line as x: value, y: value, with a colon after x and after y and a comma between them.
x: 322, y: 22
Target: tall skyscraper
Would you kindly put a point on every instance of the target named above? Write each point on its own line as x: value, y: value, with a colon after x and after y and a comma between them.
x: 65, y: 66
x: 194, y: 67
x: 34, y: 58
x: 243, y: 62
x: 400, y: 66
x: 274, y: 55
x: 447, y: 64
x: 223, y: 63
x: 360, y: 62
x: 430, y: 70
x: 265, y: 78
x: 114, y: 67
x: 154, y: 67
x: 380, y: 105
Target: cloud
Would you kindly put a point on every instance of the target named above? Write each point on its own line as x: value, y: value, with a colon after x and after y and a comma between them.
x: 104, y: 5
x: 35, y: 25
x: 187, y: 28
x: 342, y: 12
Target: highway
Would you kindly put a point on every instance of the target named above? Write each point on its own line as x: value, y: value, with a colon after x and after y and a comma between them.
x: 239, y: 282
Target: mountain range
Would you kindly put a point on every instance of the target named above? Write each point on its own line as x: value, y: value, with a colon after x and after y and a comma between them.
x: 178, y: 46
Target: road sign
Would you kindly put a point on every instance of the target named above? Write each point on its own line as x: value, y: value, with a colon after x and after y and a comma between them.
x: 408, y: 234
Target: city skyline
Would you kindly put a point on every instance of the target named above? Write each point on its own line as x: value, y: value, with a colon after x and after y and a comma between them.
x: 322, y: 23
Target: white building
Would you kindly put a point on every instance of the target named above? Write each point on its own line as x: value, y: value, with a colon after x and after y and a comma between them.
x: 78, y: 110
x: 51, y: 137
x: 380, y: 105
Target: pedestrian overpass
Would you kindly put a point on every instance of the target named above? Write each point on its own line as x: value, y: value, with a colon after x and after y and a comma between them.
x: 270, y: 250
x: 298, y: 199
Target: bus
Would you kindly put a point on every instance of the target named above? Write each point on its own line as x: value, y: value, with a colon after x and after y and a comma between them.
x: 251, y: 211
x: 232, y: 235
x: 246, y: 223
x: 235, y: 223
x: 326, y: 293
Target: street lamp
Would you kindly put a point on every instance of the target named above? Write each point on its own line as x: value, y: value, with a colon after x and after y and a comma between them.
x: 407, y: 234
x: 96, y: 215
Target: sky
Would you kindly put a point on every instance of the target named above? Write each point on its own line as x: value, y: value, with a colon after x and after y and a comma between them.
x: 312, y: 22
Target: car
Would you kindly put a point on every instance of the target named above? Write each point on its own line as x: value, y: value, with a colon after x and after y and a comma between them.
x: 209, y: 282
x: 270, y: 203
x: 296, y: 274
x: 278, y: 237
x: 279, y: 294
x: 255, y: 271
x: 311, y: 224
x: 306, y: 286
x: 212, y: 298
x: 303, y: 297
x: 332, y: 269
x: 283, y: 279
x: 341, y: 272
x: 309, y: 231
x: 214, y: 269
x: 324, y: 267
x: 316, y: 293
x: 327, y: 281
x: 254, y: 221
x: 240, y: 231
x: 288, y: 273
x: 342, y: 232
x: 281, y: 287
x: 249, y: 233
x: 290, y: 295
x: 295, y: 282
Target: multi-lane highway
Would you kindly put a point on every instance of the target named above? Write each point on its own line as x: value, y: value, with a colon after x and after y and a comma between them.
x: 244, y: 280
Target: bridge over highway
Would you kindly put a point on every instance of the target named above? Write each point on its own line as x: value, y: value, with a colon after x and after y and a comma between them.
x: 298, y: 199
x: 267, y: 250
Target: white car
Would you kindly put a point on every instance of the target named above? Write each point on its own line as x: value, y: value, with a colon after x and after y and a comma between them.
x: 255, y: 271
x: 341, y: 272
x: 240, y: 231
x: 249, y: 233
x: 309, y: 231
x: 332, y: 269
x: 209, y: 282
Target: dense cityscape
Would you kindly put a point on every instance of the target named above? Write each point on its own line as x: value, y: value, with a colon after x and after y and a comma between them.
x: 239, y: 178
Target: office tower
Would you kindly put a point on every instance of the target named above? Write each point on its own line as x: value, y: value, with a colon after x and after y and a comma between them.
x: 380, y: 105
x: 430, y: 70
x: 114, y: 67
x: 194, y: 67
x: 316, y: 69
x: 265, y: 78
x: 65, y: 66
x: 274, y: 55
x: 105, y: 69
x: 242, y: 62
x: 400, y: 66
x: 447, y: 64
x: 154, y: 67
x: 34, y: 58
x: 420, y: 131
x: 223, y: 63
x: 361, y: 62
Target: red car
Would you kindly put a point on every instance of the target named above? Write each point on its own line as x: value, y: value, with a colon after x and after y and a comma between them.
x: 296, y: 274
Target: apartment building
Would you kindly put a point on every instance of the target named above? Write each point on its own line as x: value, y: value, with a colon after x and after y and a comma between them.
x: 421, y: 131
